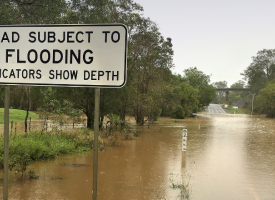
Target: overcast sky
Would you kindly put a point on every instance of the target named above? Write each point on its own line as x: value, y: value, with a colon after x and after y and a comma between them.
x: 219, y: 37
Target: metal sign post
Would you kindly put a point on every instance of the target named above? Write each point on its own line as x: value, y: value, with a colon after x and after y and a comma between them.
x: 6, y: 142
x: 96, y: 133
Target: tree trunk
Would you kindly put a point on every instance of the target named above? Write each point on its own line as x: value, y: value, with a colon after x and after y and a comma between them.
x: 90, y: 120
x: 28, y: 106
x: 122, y: 113
x: 140, y: 116
x: 101, y: 121
x: 22, y: 99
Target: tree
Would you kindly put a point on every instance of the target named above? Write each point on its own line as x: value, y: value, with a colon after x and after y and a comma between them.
x: 188, y: 101
x: 37, y: 11
x: 221, y: 95
x: 265, y: 101
x: 151, y: 57
x: 200, y: 81
x: 261, y: 70
x: 235, y: 96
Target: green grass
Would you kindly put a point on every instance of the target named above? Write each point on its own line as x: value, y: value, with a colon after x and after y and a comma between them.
x: 235, y: 111
x: 16, y: 115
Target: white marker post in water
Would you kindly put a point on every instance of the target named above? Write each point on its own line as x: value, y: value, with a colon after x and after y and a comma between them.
x: 184, y: 139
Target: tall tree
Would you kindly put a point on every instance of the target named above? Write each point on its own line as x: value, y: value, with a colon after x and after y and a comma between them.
x: 261, y: 70
x: 200, y: 81
x: 151, y: 56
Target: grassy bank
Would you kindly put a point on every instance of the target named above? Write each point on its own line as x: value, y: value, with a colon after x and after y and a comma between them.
x: 23, y: 149
x: 235, y: 111
x: 16, y: 115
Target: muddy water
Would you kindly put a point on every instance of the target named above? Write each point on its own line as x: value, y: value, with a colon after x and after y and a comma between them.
x: 228, y: 157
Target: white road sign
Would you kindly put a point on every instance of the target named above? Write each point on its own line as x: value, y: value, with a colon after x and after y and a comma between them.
x: 64, y: 55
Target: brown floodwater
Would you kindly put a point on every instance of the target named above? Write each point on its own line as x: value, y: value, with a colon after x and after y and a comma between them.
x: 228, y: 157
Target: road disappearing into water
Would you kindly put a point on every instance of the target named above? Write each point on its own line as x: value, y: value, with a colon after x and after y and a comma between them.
x: 215, y: 108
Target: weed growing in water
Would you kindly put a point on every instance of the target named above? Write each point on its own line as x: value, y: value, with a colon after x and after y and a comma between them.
x: 32, y: 174
x: 115, y: 127
x: 182, y: 185
x: 137, y: 133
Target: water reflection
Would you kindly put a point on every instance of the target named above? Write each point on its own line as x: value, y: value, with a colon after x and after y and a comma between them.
x: 227, y: 157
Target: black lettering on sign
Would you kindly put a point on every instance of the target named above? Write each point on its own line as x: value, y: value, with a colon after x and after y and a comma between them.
x: 18, y: 59
x: 51, y: 74
x: 118, y: 36
x: 29, y: 56
x: 66, y: 56
x: 60, y: 74
x: 9, y: 55
x: 73, y: 74
x: 108, y: 72
x: 76, y: 37
x: 89, y: 34
x: 77, y: 58
x: 66, y: 74
x: 5, y: 37
x: 51, y: 37
x: 12, y: 74
x: 86, y: 75
x: 38, y: 72
x: 114, y: 75
x: 18, y: 70
x: 24, y: 73
x: 4, y: 73
x: 106, y: 32
x: 61, y: 41
x: 90, y: 58
x: 31, y: 34
x: 100, y: 73
x: 39, y: 37
x: 14, y: 40
x: 14, y: 37
x: 69, y: 36
x: 31, y: 73
x: 41, y: 56
x: 60, y: 56
x: 93, y: 74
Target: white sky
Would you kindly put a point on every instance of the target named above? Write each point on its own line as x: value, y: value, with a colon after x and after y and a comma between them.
x: 219, y: 37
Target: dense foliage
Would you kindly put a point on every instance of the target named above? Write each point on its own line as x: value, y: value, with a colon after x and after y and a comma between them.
x: 260, y: 75
x: 151, y: 90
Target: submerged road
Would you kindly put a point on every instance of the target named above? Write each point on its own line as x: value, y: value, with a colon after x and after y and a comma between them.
x: 215, y: 108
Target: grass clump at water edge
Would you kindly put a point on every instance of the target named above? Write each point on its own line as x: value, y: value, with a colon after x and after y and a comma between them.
x: 34, y: 146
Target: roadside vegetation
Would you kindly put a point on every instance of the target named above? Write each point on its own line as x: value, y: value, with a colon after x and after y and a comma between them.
x: 235, y: 111
x: 37, y: 145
